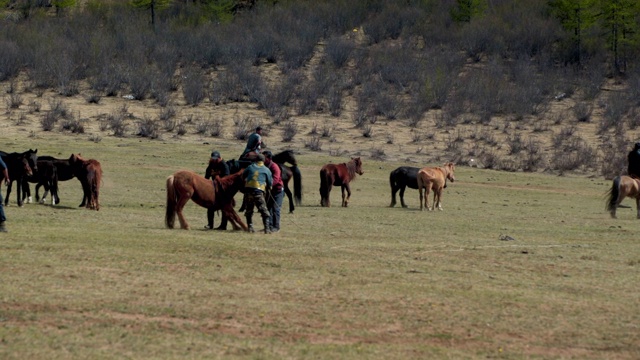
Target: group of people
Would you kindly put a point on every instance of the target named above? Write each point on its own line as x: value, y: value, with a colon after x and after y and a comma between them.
x: 264, y: 189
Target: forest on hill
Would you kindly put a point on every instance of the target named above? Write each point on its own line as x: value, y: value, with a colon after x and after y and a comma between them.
x: 535, y: 85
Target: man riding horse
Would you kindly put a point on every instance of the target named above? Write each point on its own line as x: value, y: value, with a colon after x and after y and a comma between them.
x: 254, y: 143
x: 634, y: 161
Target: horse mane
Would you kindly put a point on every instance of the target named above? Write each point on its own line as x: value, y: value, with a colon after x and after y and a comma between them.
x: 351, y: 168
x: 228, y: 182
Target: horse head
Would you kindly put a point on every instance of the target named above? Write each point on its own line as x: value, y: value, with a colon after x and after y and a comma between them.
x: 32, y: 158
x: 358, y: 165
x: 450, y: 167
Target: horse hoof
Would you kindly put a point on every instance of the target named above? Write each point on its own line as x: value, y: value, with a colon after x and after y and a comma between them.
x: 405, y: 206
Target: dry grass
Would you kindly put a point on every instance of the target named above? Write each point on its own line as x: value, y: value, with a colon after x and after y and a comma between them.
x: 363, y: 282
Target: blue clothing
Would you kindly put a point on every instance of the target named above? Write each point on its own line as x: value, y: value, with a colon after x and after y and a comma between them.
x: 257, y: 176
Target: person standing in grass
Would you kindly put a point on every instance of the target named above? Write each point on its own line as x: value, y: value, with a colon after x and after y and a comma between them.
x: 5, y: 177
x: 274, y: 202
x: 257, y: 181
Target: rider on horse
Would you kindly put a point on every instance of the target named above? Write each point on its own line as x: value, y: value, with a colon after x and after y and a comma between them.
x: 634, y: 161
x: 254, y: 143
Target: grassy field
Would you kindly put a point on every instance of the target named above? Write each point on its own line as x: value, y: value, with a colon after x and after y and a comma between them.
x: 366, y: 281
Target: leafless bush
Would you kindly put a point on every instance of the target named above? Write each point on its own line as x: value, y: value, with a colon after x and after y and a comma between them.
x: 139, y: 80
x: 48, y: 121
x: 289, y: 130
x: 168, y: 124
x: 167, y: 113
x: 378, y: 154
x: 367, y: 131
x: 73, y: 125
x: 335, y: 101
x: 516, y: 144
x: 582, y: 111
x: 359, y: 118
x: 328, y: 130
x: 181, y: 129
x: 564, y: 135
x: 10, y: 59
x: 614, y: 156
x: 338, y: 50
x: 59, y: 109
x: 573, y: 154
x: 417, y: 136
x: 533, y: 156
x: 490, y: 159
x: 313, y: 144
x: 193, y: 86
x: 93, y: 97
x: 13, y: 100
x: 148, y: 128
x: 117, y: 123
x: 633, y: 121
x: 34, y: 106
x: 242, y: 127
x: 616, y: 107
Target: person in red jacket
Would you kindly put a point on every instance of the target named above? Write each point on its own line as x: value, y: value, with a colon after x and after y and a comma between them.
x: 274, y: 203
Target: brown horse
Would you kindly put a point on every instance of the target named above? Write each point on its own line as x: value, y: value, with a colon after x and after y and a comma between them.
x: 338, y: 175
x: 217, y: 195
x: 434, y: 179
x: 89, y: 172
x: 622, y: 187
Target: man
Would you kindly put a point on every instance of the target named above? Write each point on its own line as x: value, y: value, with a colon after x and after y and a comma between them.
x: 634, y: 161
x: 5, y: 177
x: 254, y: 142
x: 257, y: 181
x: 221, y: 169
x: 274, y: 203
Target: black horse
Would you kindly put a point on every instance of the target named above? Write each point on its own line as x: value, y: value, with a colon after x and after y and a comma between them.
x: 19, y: 165
x: 47, y: 176
x: 402, y: 177
x: 64, y: 172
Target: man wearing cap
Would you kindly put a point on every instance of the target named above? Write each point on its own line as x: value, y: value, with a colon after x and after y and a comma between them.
x: 274, y: 202
x: 221, y: 169
x: 257, y: 181
x: 254, y: 142
x: 634, y: 161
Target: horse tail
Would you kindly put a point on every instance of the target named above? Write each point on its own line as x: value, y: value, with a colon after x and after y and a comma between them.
x: 297, y: 184
x: 170, y: 214
x: 96, y: 185
x: 323, y: 186
x: 613, y: 194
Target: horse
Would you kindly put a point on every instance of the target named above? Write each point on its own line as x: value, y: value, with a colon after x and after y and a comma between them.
x: 47, y: 176
x: 64, y: 172
x: 434, y: 179
x: 20, y: 166
x: 623, y: 186
x: 289, y: 172
x: 399, y: 179
x: 89, y: 172
x: 338, y: 175
x: 217, y: 195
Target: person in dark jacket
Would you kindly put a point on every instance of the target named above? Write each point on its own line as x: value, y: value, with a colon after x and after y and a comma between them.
x: 221, y: 170
x: 258, y: 180
x: 274, y: 202
x: 254, y: 142
x: 634, y: 161
x: 4, y: 176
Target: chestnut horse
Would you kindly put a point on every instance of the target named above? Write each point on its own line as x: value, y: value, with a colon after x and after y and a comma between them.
x: 622, y: 187
x: 434, y: 179
x: 338, y: 175
x: 89, y: 172
x: 216, y: 195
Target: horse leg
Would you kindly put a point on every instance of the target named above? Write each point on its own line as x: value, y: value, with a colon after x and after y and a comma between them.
x: 426, y: 197
x: 438, y: 194
x: 638, y: 207
x: 402, y: 188
x: 287, y: 191
x: 19, y: 192
x: 234, y: 218
x: 182, y: 201
x: 345, y: 201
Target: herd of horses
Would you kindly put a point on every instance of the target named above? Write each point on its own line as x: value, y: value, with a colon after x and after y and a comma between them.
x: 46, y: 171
x: 218, y: 194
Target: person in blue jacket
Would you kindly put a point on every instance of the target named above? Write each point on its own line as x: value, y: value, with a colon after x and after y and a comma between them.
x: 257, y: 182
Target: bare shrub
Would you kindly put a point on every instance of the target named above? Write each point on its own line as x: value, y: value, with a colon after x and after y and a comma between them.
x: 10, y: 59
x: 516, y: 144
x: 533, y: 156
x: 167, y: 113
x: 139, y: 79
x: 181, y: 129
x: 289, y: 130
x: 582, y: 111
x: 616, y: 107
x: 242, y: 127
x: 73, y: 125
x: 148, y: 128
x: 48, y: 121
x: 390, y: 138
x: 59, y: 109
x: 117, y: 123
x: 614, y: 156
x: 378, y: 154
x: 313, y: 144
x: 334, y: 98
x: 367, y: 131
x: 338, y: 50
x: 33, y: 107
x: 13, y: 100
x: 564, y: 135
x: 193, y: 86
x: 93, y: 97
x: 359, y: 118
x: 573, y: 154
x: 216, y: 127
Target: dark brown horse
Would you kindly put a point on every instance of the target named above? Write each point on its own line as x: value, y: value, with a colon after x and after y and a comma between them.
x: 623, y: 186
x: 20, y: 166
x: 217, y: 195
x: 47, y: 176
x: 338, y: 175
x: 288, y: 173
x: 89, y: 172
